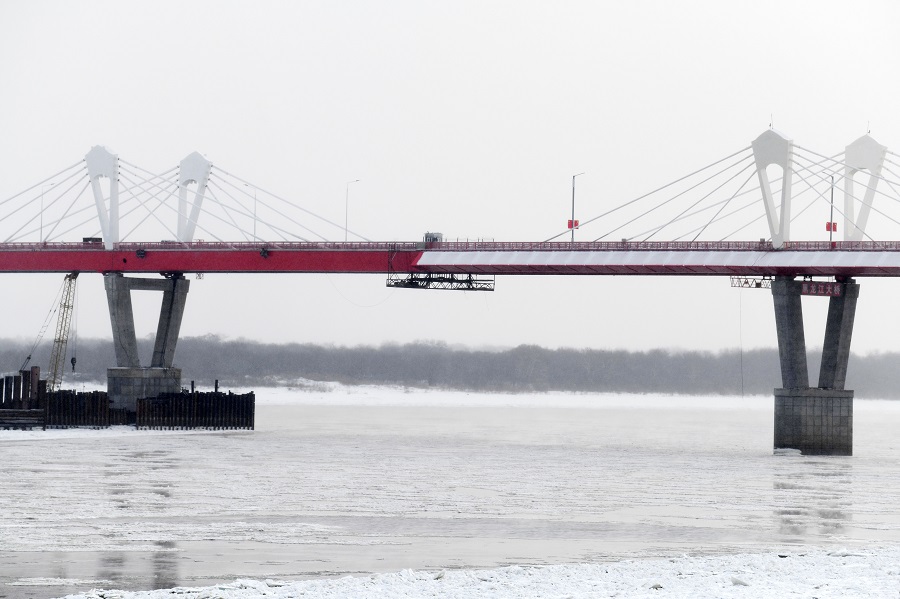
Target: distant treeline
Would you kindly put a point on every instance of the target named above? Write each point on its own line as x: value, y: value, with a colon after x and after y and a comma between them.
x: 521, y: 369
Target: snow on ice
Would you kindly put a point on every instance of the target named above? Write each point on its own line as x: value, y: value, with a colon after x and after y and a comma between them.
x: 874, y: 572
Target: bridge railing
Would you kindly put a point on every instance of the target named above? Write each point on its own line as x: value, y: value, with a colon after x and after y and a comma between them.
x: 603, y: 246
x: 717, y: 246
x: 467, y: 246
x: 862, y: 246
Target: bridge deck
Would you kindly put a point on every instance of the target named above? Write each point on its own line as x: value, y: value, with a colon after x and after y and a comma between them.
x: 491, y: 258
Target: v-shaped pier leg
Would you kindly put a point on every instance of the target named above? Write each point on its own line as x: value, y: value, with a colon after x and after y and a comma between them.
x: 838, y: 332
x: 121, y: 315
x: 170, y: 314
x: 130, y: 381
x: 791, y: 338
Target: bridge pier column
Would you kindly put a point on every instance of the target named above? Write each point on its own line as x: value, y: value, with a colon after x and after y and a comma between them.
x: 171, y: 313
x: 815, y: 420
x: 791, y: 338
x: 129, y: 381
x: 838, y: 332
x: 121, y: 315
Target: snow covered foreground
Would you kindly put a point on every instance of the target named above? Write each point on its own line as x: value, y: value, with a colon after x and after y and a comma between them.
x: 815, y: 573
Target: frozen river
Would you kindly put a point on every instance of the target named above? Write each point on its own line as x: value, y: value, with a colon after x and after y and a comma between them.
x: 358, y: 480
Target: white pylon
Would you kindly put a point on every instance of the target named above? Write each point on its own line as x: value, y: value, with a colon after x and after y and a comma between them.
x: 103, y: 163
x: 774, y: 148
x: 863, y: 154
x: 194, y: 169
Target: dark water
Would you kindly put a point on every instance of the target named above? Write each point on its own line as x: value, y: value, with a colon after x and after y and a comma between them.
x: 374, y: 485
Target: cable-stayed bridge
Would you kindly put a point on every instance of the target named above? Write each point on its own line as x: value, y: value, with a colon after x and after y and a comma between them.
x: 761, y: 211
x: 766, y: 215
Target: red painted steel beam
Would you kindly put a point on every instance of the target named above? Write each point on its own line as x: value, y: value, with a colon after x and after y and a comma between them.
x: 211, y: 258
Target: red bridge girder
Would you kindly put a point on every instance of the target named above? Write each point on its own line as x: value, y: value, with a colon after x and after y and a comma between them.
x: 203, y: 257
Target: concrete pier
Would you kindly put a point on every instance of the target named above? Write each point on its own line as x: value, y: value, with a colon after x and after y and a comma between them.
x: 131, y: 381
x: 815, y: 420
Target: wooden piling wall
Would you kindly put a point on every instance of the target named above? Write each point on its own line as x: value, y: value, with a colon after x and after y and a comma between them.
x: 22, y: 419
x: 26, y: 392
x: 73, y: 409
x: 19, y: 392
x: 225, y: 411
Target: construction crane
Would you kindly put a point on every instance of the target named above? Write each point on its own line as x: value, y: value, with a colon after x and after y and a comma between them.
x: 63, y: 325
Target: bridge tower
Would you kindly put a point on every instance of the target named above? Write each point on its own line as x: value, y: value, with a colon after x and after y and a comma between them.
x: 129, y: 380
x: 863, y: 154
x: 772, y: 148
x: 816, y: 420
x: 103, y: 164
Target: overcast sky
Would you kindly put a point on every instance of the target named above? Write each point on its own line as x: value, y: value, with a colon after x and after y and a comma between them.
x: 468, y: 118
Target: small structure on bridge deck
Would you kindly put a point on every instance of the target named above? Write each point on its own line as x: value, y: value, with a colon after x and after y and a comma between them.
x: 815, y: 420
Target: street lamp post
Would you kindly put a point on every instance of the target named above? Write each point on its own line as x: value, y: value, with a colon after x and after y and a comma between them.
x: 831, y: 217
x: 254, y: 210
x: 43, y: 188
x: 573, y: 205
x: 347, y: 205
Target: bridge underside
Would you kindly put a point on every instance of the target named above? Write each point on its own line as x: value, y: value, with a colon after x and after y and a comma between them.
x: 815, y: 420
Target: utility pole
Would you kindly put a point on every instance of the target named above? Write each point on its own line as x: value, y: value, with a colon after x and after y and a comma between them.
x: 572, y: 222
x: 831, y: 218
x: 347, y: 205
x: 43, y: 188
x: 254, y: 209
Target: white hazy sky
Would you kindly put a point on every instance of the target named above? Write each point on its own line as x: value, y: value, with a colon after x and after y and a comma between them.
x: 466, y: 117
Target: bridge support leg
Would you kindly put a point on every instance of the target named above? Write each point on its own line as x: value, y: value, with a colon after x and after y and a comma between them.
x: 838, y: 331
x: 170, y: 315
x: 121, y: 315
x: 815, y: 420
x: 791, y: 339
x: 129, y: 381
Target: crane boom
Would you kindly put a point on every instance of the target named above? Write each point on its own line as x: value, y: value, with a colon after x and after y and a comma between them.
x: 63, y: 325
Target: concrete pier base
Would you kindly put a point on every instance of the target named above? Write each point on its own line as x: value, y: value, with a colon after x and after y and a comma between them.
x: 815, y: 421
x: 126, y: 385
